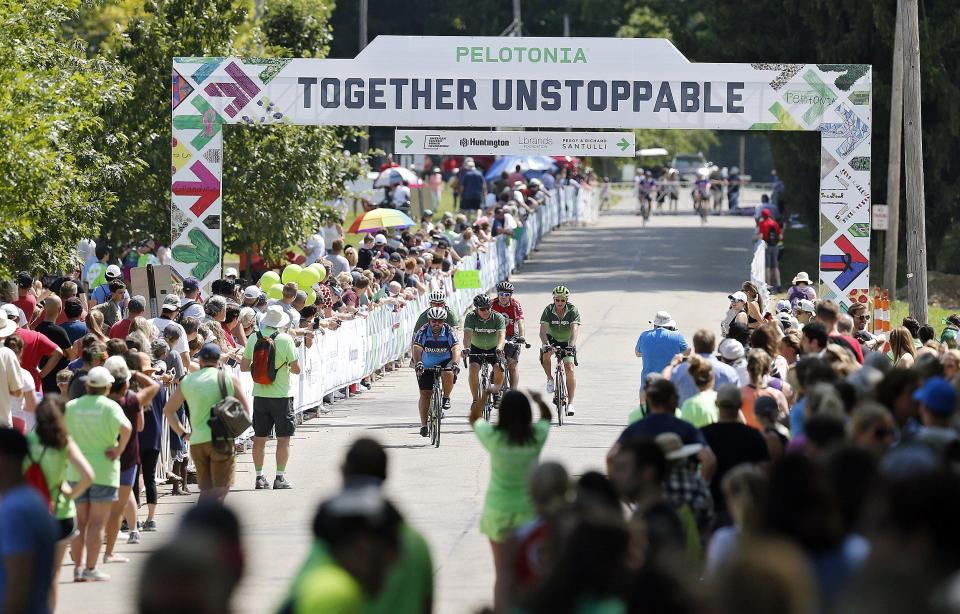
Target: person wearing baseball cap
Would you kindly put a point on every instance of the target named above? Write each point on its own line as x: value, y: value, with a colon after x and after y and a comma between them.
x: 201, y: 390
x: 272, y: 402
x: 806, y: 311
x: 101, y: 431
x: 938, y: 405
x: 231, y: 273
x: 101, y: 294
x: 191, y: 305
x: 168, y: 314
x: 660, y: 344
x: 738, y: 306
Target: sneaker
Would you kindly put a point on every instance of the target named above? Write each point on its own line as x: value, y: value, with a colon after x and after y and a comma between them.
x: 262, y: 483
x: 78, y: 574
x: 550, y: 387
x: 570, y: 409
x: 115, y: 558
x: 423, y: 431
x: 124, y: 527
x: 94, y: 575
x: 281, y: 483
x: 445, y: 403
x: 149, y: 526
x: 134, y: 537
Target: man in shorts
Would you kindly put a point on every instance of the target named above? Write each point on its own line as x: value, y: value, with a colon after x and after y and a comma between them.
x: 559, y: 327
x: 484, y: 334
x: 201, y: 390
x: 435, y: 345
x: 273, y: 403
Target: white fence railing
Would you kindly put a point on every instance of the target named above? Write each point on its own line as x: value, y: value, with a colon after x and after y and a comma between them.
x: 361, y: 346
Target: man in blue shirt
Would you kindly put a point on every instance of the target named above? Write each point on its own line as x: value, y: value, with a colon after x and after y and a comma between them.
x: 659, y: 345
x: 27, y: 534
x: 704, y: 344
x: 435, y: 344
x: 473, y: 188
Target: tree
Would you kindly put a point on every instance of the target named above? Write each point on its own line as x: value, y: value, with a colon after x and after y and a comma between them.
x: 54, y: 190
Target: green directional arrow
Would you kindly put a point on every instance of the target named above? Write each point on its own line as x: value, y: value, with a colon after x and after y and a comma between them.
x: 406, y: 141
x: 623, y: 143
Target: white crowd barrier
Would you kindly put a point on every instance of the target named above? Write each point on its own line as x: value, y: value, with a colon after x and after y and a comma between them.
x: 361, y: 346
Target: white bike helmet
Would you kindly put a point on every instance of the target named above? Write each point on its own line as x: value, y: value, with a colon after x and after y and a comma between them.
x: 438, y: 296
x: 437, y: 313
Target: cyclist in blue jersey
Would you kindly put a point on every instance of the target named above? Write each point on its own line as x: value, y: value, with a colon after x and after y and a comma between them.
x: 701, y: 191
x: 436, y: 344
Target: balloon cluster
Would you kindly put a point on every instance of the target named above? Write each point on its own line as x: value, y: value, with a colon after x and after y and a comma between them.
x: 305, y: 278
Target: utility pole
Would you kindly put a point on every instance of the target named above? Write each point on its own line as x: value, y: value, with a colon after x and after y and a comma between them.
x: 913, y: 165
x: 743, y: 154
x: 566, y: 25
x: 364, y: 141
x: 517, y: 19
x: 892, y: 234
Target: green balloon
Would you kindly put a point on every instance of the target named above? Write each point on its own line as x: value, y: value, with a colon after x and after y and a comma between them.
x: 269, y: 279
x: 291, y: 273
x: 311, y: 296
x: 308, y: 277
x: 275, y: 292
x: 316, y: 266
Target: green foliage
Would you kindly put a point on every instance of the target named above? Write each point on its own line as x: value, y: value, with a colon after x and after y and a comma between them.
x: 644, y: 23
x: 298, y: 26
x: 53, y: 192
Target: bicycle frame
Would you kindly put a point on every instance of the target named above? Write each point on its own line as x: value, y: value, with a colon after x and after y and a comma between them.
x: 435, y: 414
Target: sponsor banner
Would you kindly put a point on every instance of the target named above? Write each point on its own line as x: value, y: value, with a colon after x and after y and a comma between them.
x: 496, y: 143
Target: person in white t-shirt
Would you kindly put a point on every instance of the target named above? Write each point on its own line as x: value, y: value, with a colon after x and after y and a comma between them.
x: 10, y: 382
x: 24, y: 405
x: 314, y: 249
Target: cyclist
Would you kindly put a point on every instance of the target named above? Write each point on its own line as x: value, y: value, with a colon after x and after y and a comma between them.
x: 484, y: 334
x: 701, y: 191
x: 648, y: 187
x: 435, y: 344
x: 438, y: 298
x: 559, y: 326
x: 510, y: 309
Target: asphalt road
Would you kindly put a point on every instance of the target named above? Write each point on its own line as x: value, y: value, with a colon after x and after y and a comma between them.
x: 619, y: 274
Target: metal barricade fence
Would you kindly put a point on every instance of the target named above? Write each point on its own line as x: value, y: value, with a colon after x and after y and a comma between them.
x: 340, y: 358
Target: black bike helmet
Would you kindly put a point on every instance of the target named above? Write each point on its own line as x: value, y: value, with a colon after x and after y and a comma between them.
x: 505, y: 286
x: 481, y: 301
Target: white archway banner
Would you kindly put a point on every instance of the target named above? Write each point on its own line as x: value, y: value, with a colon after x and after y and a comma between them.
x: 525, y: 82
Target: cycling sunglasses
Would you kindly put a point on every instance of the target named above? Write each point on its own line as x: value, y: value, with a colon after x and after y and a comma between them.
x: 437, y: 321
x: 483, y: 309
x: 559, y: 300
x: 504, y: 293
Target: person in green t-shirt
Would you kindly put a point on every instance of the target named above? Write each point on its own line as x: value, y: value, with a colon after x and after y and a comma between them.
x: 514, y: 445
x: 559, y: 327
x: 438, y: 298
x: 273, y: 403
x: 408, y: 588
x: 700, y: 409
x: 51, y: 447
x: 360, y: 530
x: 201, y: 391
x: 101, y: 431
x: 484, y: 334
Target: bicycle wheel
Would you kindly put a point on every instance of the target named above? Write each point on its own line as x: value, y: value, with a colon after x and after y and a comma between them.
x: 561, y: 392
x: 435, y: 410
x: 484, y: 384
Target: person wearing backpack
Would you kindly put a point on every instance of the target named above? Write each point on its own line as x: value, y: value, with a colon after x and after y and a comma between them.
x: 271, y: 356
x: 769, y: 231
x: 50, y: 449
x: 201, y: 390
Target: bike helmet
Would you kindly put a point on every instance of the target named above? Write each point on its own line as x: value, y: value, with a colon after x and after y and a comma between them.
x: 437, y: 313
x: 481, y: 301
x: 505, y: 286
x: 438, y: 296
x: 561, y: 291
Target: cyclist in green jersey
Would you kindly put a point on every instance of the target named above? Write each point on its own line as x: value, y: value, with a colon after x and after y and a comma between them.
x: 559, y: 327
x: 484, y: 333
x: 438, y: 298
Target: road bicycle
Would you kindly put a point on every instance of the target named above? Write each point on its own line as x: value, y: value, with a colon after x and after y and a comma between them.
x: 435, y: 412
x: 517, y: 341
x: 645, y: 208
x: 485, y: 382
x: 560, y: 399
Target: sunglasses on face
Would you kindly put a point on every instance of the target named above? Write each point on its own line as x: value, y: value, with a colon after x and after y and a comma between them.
x: 862, y: 317
x: 882, y: 433
x: 559, y: 300
x: 483, y: 309
x: 504, y: 293
x: 437, y: 322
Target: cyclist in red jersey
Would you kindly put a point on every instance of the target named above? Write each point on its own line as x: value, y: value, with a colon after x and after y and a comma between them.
x: 510, y: 308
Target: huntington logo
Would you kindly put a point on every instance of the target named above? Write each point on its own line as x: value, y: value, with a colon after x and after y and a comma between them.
x: 520, y: 55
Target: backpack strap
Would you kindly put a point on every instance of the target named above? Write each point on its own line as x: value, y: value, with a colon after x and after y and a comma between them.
x: 222, y: 381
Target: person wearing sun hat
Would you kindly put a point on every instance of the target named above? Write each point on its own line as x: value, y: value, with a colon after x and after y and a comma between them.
x: 660, y: 344
x: 801, y: 289
x: 273, y: 403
